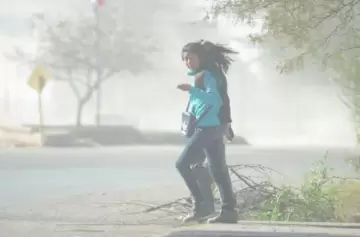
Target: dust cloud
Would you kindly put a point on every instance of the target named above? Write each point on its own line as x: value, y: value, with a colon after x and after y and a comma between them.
x: 302, y: 108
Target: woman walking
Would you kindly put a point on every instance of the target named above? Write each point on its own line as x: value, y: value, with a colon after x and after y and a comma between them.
x: 208, y: 64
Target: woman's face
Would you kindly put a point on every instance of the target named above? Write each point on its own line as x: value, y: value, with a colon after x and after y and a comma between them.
x: 191, y: 60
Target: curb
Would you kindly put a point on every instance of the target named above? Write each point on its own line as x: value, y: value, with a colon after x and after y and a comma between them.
x: 269, y: 229
x: 304, y: 224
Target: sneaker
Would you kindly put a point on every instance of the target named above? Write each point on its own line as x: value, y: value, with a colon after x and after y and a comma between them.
x: 225, y: 216
x: 200, y: 212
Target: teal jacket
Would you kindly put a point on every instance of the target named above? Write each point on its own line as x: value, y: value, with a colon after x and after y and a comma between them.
x: 201, y: 99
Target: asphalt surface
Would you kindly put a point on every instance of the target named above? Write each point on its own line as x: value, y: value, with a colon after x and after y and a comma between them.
x: 41, y: 173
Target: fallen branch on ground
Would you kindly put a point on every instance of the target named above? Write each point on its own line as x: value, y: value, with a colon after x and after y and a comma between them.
x: 321, y: 197
x: 250, y: 191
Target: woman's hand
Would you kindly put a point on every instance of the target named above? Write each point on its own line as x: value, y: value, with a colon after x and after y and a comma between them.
x: 184, y: 87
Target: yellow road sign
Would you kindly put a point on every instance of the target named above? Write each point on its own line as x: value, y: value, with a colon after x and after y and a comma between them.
x: 38, y: 79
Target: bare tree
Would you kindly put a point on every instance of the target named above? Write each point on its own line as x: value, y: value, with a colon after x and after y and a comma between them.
x: 87, y: 51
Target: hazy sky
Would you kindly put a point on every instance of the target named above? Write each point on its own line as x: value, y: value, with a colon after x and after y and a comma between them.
x: 267, y: 108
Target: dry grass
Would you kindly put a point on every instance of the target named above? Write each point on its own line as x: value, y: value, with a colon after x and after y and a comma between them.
x: 17, y: 138
x: 349, y: 196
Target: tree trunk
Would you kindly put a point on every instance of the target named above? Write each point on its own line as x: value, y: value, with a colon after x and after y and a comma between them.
x: 82, y: 101
x: 79, y: 111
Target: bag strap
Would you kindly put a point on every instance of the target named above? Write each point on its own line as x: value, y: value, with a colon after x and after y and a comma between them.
x: 187, y: 107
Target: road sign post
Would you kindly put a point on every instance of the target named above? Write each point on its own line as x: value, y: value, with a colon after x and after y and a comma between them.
x: 38, y: 81
x: 40, y: 107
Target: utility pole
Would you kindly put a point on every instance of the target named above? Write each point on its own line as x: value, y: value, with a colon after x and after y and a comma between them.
x: 98, y: 72
x: 97, y: 4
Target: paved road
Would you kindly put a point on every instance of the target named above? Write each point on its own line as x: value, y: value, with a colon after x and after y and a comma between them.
x: 43, y: 189
x: 40, y: 173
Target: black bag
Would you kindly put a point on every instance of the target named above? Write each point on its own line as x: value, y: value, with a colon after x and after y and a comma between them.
x: 189, y: 121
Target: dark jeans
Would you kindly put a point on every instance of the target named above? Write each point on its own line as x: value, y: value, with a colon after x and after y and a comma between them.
x: 202, y: 171
x: 201, y: 156
x: 211, y: 141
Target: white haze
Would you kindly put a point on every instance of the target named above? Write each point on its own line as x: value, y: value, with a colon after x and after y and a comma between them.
x: 268, y: 109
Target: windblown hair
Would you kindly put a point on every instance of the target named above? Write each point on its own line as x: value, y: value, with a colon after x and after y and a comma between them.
x: 216, y: 59
x: 212, y: 56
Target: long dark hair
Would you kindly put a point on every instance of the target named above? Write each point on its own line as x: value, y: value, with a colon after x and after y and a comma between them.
x: 213, y: 57
x: 216, y: 59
